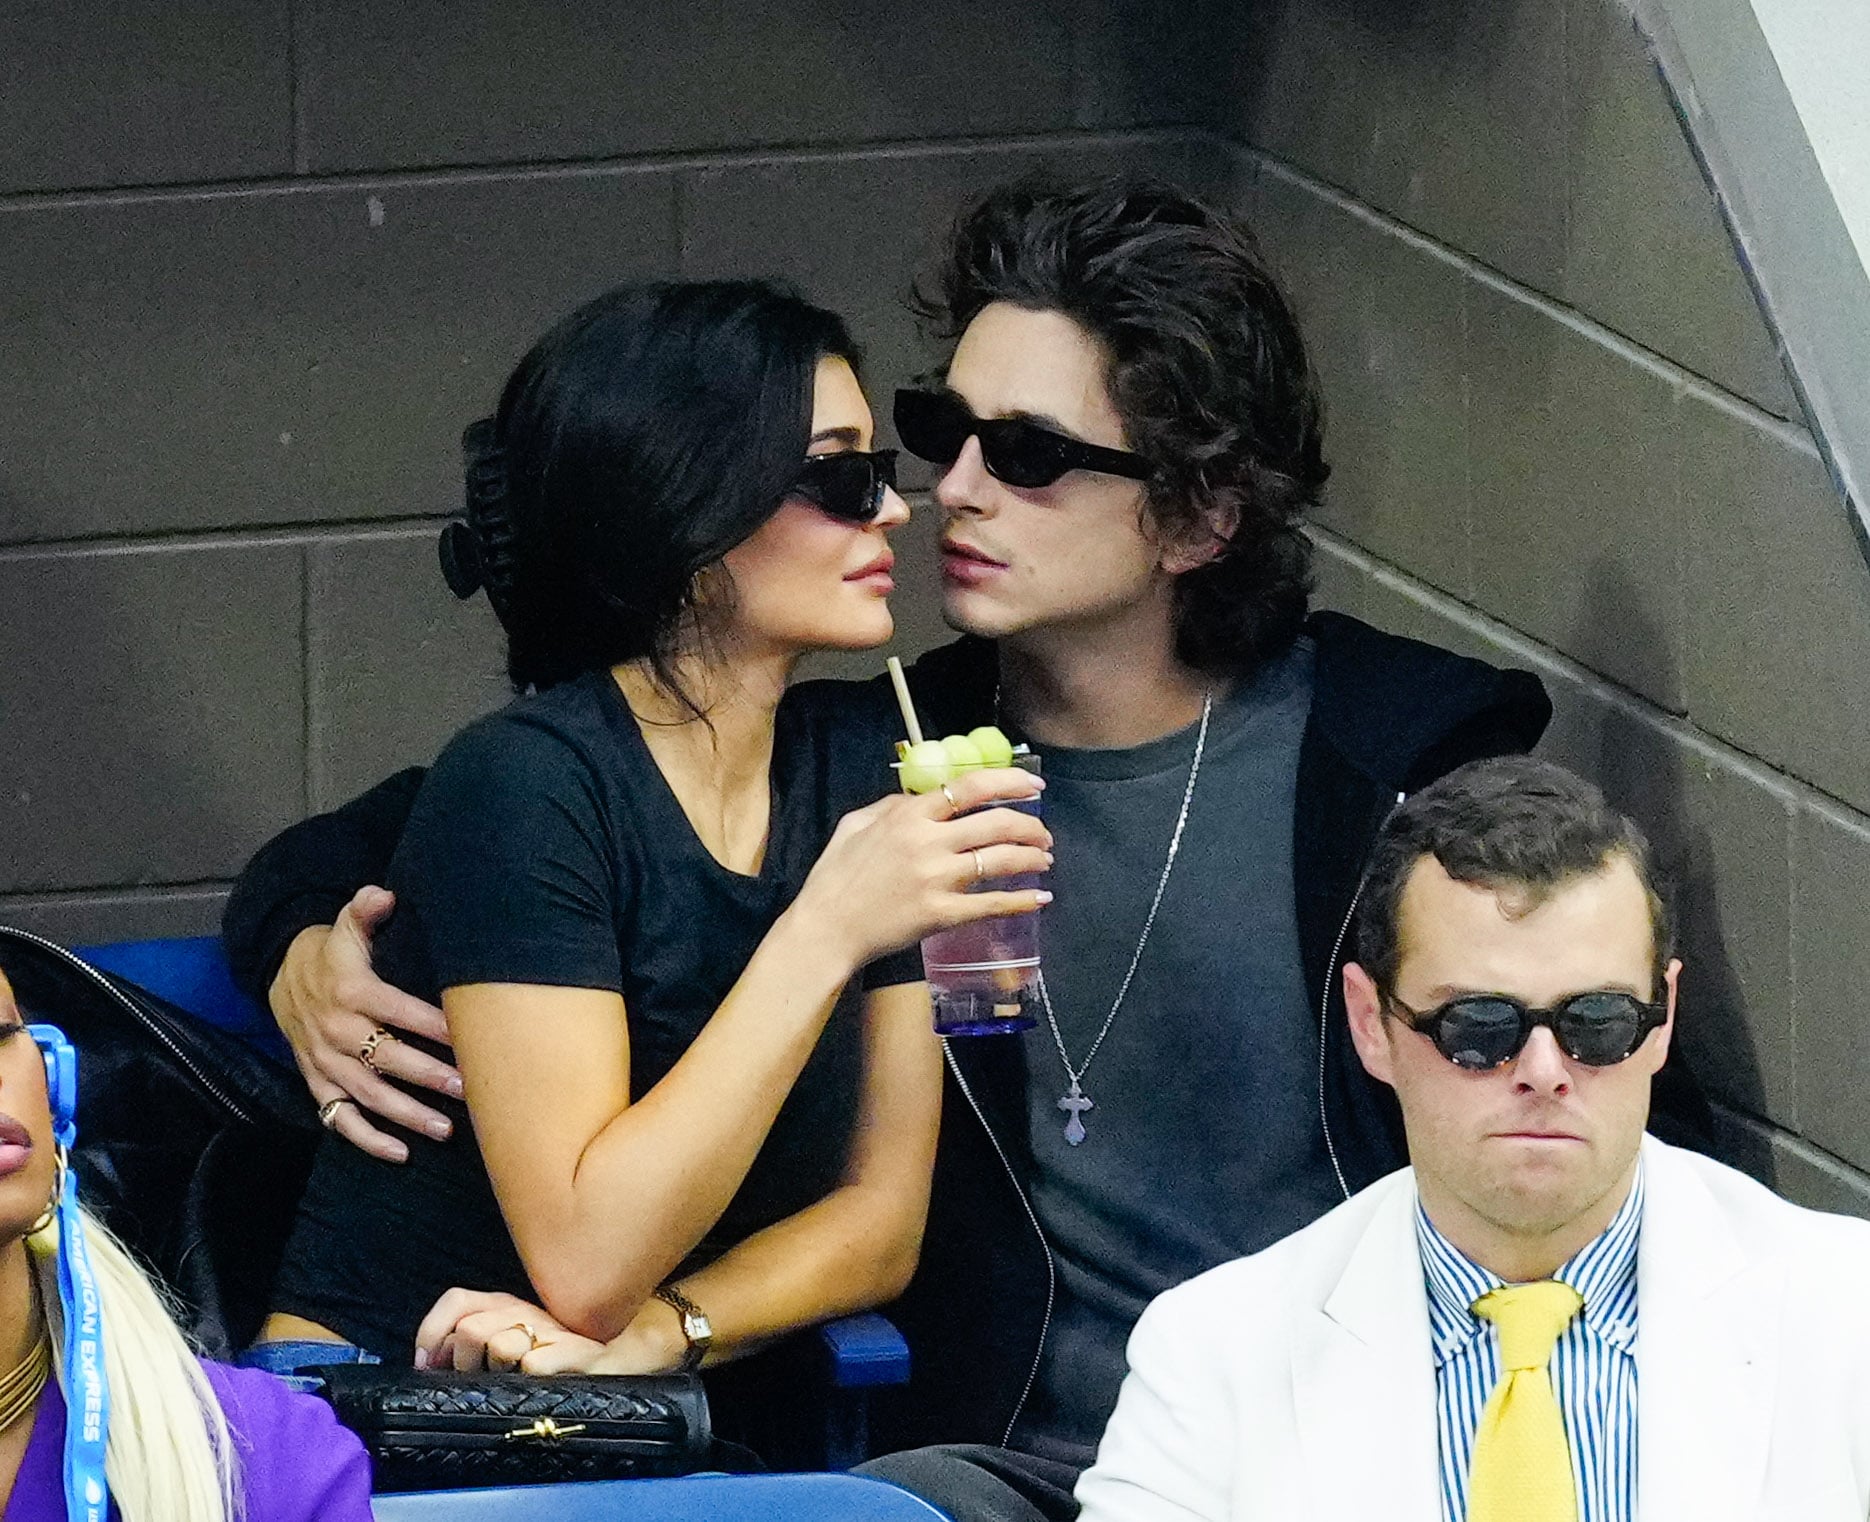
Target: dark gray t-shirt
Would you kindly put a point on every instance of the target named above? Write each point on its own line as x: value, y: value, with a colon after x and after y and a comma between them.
x: 1204, y: 1143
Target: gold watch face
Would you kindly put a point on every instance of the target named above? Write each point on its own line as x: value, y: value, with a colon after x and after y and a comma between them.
x: 696, y: 1327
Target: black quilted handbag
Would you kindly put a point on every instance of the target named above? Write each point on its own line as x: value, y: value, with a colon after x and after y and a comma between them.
x: 443, y: 1431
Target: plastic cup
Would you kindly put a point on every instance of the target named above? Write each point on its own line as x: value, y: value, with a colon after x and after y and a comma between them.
x: 983, y: 977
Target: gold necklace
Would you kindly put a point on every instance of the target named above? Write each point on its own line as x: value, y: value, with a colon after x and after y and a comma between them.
x: 19, y: 1390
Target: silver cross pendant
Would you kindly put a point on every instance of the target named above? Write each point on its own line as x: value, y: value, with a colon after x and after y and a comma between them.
x: 1075, y: 1103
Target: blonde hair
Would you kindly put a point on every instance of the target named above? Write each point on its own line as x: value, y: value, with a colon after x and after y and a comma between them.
x: 170, y: 1457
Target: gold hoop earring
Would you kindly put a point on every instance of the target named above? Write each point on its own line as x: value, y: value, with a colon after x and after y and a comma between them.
x: 50, y: 1213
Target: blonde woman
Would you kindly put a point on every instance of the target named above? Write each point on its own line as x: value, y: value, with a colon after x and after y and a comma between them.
x: 188, y: 1441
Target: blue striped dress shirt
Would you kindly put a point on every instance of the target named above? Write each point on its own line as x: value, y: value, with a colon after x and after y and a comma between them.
x: 1593, y: 1368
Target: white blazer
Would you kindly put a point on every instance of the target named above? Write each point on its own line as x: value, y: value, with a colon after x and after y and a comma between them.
x: 1298, y: 1385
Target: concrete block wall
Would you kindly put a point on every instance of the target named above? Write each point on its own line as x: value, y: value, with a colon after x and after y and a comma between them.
x: 1562, y: 437
x: 264, y: 259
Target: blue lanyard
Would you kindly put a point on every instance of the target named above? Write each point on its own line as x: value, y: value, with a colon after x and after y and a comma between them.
x: 87, y: 1394
x: 87, y: 1418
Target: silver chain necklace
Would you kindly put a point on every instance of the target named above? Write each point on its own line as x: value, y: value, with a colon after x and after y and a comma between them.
x: 1074, y: 1102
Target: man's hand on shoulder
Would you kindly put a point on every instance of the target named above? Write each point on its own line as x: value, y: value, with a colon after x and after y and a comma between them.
x: 329, y: 1003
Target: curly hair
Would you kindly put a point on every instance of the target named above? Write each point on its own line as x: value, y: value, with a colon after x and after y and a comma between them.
x: 1206, y: 370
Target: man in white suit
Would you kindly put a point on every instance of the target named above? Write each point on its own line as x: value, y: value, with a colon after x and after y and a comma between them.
x: 1705, y: 1355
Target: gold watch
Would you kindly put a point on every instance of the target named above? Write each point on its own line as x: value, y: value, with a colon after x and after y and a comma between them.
x: 695, y: 1326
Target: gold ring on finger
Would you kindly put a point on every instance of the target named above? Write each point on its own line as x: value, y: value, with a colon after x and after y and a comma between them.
x: 954, y: 808
x: 328, y: 1111
x: 367, y: 1053
x: 526, y: 1327
x: 980, y: 871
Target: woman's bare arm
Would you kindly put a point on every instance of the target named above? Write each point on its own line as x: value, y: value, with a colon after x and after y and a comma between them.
x: 853, y: 1249
x: 604, y: 1197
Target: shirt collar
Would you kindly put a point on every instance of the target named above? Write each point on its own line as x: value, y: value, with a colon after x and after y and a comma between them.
x: 1603, y: 1272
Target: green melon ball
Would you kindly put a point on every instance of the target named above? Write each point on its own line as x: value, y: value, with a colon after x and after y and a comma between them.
x: 925, y: 767
x: 963, y: 754
x: 995, y: 749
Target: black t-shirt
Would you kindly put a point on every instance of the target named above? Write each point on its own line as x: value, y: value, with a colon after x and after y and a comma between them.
x: 546, y: 847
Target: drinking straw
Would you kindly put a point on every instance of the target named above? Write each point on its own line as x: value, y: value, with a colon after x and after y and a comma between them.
x: 901, y: 684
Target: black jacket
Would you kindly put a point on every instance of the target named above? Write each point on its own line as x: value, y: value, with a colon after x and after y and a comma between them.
x: 1388, y: 715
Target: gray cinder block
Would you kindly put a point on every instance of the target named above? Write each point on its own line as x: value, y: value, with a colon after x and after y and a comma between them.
x: 427, y: 82
x: 1647, y: 254
x: 1779, y: 639
x: 286, y: 356
x: 1831, y: 960
x: 1577, y: 533
x: 397, y: 664
x: 143, y: 92
x: 155, y: 729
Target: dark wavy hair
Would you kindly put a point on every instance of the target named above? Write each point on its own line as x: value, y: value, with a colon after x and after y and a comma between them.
x: 1207, y: 372
x: 1518, y: 826
x: 638, y: 441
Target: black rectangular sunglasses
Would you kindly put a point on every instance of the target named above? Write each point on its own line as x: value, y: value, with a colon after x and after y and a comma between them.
x: 935, y: 426
x: 848, y: 484
x: 1482, y: 1031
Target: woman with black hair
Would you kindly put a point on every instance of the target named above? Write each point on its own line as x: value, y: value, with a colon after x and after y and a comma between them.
x: 657, y: 896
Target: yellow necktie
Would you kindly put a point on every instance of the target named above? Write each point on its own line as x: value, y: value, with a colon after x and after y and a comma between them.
x: 1522, y: 1464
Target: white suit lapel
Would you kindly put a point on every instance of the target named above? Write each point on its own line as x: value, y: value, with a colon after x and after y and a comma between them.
x: 1364, y: 1381
x: 1707, y: 1353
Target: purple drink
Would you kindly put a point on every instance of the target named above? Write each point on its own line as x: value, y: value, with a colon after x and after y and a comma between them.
x: 983, y: 977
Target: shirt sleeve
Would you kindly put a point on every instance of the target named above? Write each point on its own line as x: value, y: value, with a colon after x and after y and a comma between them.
x: 296, y: 1463
x: 1167, y: 1454
x: 509, y: 862
x: 903, y: 966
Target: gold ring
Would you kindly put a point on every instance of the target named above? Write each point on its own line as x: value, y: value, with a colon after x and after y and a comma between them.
x: 955, y: 807
x: 979, y: 870
x: 328, y: 1111
x: 526, y: 1327
x: 367, y: 1053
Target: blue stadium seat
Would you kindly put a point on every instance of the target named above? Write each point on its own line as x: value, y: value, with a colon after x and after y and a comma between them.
x: 864, y: 1353
x: 697, y: 1498
x: 191, y: 973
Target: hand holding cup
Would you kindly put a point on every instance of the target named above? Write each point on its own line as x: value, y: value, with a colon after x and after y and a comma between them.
x: 904, y: 866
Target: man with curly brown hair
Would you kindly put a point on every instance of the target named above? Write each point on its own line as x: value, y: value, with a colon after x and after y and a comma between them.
x: 1130, y: 432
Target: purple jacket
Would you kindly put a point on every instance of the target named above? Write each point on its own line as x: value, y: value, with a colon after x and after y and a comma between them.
x: 296, y: 1463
